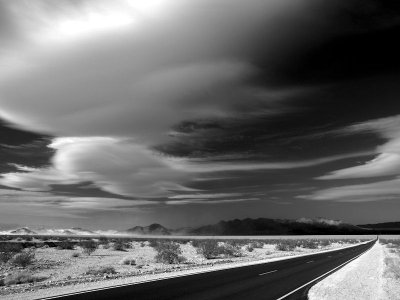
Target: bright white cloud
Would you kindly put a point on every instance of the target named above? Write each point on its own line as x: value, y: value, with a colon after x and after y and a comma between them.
x: 37, y: 204
x: 115, y: 165
x: 198, y: 166
x: 122, y: 167
x: 116, y: 75
x: 205, y: 196
x: 387, y: 161
x: 180, y: 60
x: 206, y: 201
x: 382, y: 190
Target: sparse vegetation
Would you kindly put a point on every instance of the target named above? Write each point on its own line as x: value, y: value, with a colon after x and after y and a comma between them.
x: 8, y: 250
x: 103, y: 240
x: 286, y: 245
x: 257, y: 245
x: 101, y: 271
x: 119, y: 245
x: 250, y: 248
x: 169, y: 253
x: 211, y: 249
x: 23, y: 259
x: 22, y: 277
x: 137, y: 256
x: 128, y: 260
x: 88, y: 246
x: 66, y: 245
x: 310, y: 244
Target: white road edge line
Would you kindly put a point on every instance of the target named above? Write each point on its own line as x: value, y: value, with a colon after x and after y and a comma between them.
x: 309, y: 262
x: 267, y: 272
x: 195, y: 272
x: 315, y: 279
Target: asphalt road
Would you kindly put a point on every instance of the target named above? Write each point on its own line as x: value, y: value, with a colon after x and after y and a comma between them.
x: 285, y: 279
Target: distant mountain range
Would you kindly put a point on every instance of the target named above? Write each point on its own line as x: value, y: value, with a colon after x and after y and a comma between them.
x: 153, y: 229
x: 260, y: 226
x: 388, y: 226
x: 264, y: 226
x: 70, y: 231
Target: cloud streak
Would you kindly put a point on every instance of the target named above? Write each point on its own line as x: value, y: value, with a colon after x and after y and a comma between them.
x: 387, y: 161
x: 376, y: 191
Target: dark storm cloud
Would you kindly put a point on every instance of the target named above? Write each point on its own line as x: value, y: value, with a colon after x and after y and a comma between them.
x: 20, y: 149
x: 157, y: 96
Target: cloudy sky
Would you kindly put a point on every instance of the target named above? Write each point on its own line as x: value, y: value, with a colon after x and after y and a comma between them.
x: 127, y: 112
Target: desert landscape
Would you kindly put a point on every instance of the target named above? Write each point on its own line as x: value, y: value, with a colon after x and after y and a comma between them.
x: 39, y: 263
x: 199, y: 149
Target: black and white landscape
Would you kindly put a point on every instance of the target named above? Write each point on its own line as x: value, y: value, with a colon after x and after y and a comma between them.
x: 168, y: 124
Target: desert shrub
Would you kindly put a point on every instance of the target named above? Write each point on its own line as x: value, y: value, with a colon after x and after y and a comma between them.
x: 128, y: 260
x: 66, y: 245
x: 8, y: 250
x: 75, y: 254
x: 88, y: 246
x: 182, y: 241
x: 208, y: 248
x: 310, y: 244
x: 257, y: 244
x: 103, y: 240
x: 169, y: 253
x: 142, y: 244
x: 153, y: 243
x: 231, y: 251
x: 325, y: 242
x: 196, y: 243
x: 250, y: 248
x: 22, y: 277
x: 237, y: 243
x: 286, y: 245
x: 212, y: 249
x: 119, y: 246
x: 101, y: 271
x: 23, y: 259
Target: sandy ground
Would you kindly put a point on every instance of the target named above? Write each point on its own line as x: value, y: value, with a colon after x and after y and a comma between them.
x: 391, y: 274
x: 373, y: 276
x: 66, y: 273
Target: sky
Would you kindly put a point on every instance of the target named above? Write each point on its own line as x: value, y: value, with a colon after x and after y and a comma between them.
x: 129, y: 112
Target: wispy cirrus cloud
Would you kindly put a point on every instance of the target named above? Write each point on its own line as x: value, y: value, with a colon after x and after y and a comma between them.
x: 114, y: 165
x: 387, y: 160
x: 203, y: 166
x: 376, y: 191
x: 31, y: 204
x: 207, y: 201
x: 122, y: 167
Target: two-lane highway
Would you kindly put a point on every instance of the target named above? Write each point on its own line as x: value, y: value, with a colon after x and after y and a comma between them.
x: 285, y: 279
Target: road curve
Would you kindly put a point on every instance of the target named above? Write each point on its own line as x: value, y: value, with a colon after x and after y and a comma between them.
x: 285, y: 279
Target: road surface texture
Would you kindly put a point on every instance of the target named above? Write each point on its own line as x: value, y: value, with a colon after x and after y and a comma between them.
x: 285, y: 279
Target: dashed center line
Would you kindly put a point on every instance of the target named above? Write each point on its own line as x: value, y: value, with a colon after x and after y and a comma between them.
x: 267, y: 272
x: 309, y: 262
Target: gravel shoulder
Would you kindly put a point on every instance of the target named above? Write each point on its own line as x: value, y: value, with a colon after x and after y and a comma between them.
x: 373, y: 276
